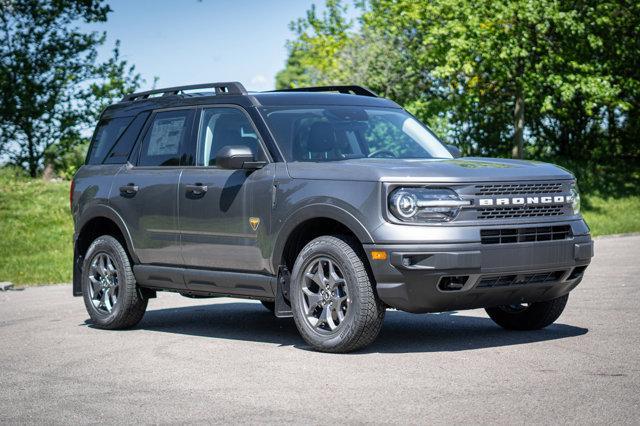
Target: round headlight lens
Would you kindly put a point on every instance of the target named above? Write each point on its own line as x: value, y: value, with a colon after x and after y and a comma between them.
x: 404, y: 204
x: 575, y: 199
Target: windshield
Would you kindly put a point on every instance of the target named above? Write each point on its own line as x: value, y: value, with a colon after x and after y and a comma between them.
x: 335, y: 133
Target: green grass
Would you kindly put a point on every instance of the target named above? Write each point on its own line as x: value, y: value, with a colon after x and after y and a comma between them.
x: 612, y: 216
x: 36, y: 229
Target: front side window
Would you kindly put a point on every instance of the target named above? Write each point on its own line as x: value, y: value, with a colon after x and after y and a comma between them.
x: 335, y: 133
x: 166, y: 139
x: 224, y: 126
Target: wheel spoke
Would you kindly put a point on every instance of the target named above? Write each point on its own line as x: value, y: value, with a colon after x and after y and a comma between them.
x: 102, y: 265
x: 113, y: 296
x: 107, y: 300
x: 334, y: 278
x: 328, y: 318
x: 95, y: 284
x: 313, y: 298
x: 111, y: 269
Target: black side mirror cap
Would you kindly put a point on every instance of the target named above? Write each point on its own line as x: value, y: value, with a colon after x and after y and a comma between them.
x: 234, y: 157
x: 454, y: 150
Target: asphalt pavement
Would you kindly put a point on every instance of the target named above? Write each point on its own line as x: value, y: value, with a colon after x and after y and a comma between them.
x: 230, y: 361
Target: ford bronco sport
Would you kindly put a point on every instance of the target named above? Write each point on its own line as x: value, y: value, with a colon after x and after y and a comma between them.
x: 328, y: 204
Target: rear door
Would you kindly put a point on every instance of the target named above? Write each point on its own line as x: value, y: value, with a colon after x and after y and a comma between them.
x: 145, y: 191
x: 224, y: 214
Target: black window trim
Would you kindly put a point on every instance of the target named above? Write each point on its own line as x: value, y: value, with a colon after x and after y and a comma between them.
x: 137, y: 150
x: 197, y: 127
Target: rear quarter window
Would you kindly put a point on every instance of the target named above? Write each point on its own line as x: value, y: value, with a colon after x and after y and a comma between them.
x: 121, y: 151
x: 105, y: 137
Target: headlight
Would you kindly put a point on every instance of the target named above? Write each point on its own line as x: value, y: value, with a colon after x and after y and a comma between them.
x: 575, y: 198
x: 425, y: 204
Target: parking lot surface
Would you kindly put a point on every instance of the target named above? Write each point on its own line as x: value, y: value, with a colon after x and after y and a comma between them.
x: 231, y: 361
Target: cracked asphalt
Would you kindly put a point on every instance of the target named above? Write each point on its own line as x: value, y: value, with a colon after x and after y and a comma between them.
x: 230, y: 361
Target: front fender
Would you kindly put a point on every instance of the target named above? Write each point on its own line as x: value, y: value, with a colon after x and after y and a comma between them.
x: 315, y: 211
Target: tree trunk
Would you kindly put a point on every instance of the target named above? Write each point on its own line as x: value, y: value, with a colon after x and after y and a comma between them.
x: 518, y: 116
x: 32, y: 160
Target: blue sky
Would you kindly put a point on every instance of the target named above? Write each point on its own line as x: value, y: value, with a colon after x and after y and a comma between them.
x: 190, y: 41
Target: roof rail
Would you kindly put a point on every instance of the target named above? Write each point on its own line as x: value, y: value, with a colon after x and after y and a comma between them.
x: 224, y: 88
x: 349, y: 90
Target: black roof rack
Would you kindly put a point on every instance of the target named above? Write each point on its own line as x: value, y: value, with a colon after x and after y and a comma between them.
x: 224, y: 88
x: 349, y: 90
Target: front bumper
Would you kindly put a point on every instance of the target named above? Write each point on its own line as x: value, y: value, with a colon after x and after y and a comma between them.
x: 445, y: 277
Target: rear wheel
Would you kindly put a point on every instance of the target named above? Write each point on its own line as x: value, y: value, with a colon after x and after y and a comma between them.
x: 109, y: 287
x: 333, y: 301
x: 528, y: 316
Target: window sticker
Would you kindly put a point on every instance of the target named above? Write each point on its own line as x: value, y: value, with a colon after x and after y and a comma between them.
x: 165, y: 136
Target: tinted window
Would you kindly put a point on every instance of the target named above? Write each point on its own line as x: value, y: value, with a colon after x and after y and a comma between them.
x: 119, y: 154
x: 220, y: 127
x: 166, y: 139
x: 105, y: 137
x: 343, y: 132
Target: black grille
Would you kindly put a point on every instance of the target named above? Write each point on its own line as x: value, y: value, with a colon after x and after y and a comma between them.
x: 517, y: 280
x: 519, y: 188
x: 524, y: 235
x: 519, y: 211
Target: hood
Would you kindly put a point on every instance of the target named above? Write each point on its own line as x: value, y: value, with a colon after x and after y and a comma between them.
x: 467, y: 169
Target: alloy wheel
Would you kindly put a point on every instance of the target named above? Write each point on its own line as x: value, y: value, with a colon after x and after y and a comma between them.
x: 104, y: 284
x: 325, y: 300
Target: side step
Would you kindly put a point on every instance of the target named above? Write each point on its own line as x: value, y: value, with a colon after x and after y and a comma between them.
x: 283, y: 305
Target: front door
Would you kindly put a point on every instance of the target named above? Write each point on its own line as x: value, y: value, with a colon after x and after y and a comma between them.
x: 224, y: 214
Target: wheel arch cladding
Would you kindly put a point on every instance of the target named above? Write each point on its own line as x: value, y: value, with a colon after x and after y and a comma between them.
x: 311, y: 222
x: 100, y: 220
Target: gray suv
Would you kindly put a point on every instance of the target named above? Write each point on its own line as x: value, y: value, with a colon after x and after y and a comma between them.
x: 328, y: 204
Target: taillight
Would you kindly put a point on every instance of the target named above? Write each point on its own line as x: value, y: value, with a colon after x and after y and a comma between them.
x: 71, y: 189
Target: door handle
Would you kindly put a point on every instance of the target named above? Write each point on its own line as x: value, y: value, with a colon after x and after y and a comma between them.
x: 128, y: 190
x: 197, y: 189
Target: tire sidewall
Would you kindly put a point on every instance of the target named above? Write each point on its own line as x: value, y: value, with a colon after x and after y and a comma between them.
x: 317, y: 249
x: 109, y: 246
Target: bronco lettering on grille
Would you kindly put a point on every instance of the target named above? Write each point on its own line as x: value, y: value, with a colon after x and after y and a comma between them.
x: 523, y: 201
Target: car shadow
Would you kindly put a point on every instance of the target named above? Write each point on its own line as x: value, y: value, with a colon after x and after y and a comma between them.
x: 401, y: 333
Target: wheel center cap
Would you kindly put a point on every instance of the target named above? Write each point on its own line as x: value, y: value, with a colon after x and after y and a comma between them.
x: 325, y: 295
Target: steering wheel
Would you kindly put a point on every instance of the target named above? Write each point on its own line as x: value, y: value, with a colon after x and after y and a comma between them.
x: 381, y: 153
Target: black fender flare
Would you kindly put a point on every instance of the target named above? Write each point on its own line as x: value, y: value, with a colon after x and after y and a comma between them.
x: 316, y: 211
x: 102, y: 210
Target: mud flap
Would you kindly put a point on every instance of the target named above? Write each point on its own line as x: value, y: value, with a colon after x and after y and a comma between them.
x: 283, y: 304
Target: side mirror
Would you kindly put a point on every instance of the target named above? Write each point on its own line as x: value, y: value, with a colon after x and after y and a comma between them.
x: 454, y: 150
x: 235, y: 157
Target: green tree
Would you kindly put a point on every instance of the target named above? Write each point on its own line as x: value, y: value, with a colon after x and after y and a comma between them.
x: 51, y: 82
x: 517, y: 77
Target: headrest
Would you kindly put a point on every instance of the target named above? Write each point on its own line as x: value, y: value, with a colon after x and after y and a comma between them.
x: 322, y: 137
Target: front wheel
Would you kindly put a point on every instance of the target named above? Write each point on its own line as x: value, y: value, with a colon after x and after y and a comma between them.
x: 531, y: 316
x: 334, y: 304
x: 108, y: 286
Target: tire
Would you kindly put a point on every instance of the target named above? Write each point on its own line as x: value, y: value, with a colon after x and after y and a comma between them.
x: 127, y: 306
x: 533, y: 317
x: 348, y: 296
x: 270, y: 306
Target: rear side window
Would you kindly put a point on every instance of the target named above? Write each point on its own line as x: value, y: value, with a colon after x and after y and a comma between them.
x: 105, y: 137
x: 166, y: 139
x: 120, y: 152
